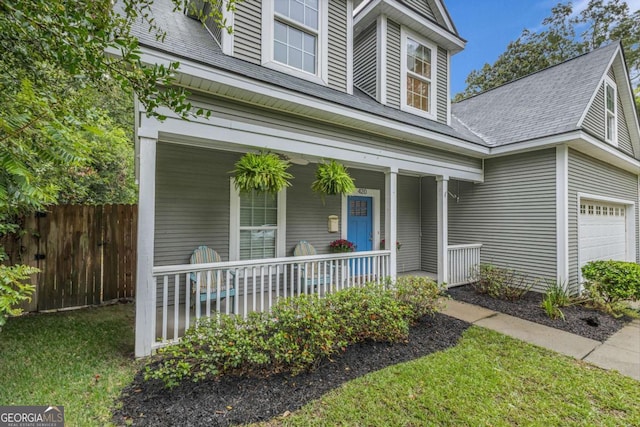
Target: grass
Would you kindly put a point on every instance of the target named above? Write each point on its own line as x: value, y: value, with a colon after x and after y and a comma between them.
x: 79, y: 359
x: 82, y: 359
x: 488, y: 379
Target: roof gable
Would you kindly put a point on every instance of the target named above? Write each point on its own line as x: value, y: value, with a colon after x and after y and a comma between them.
x: 549, y: 102
x: 617, y: 69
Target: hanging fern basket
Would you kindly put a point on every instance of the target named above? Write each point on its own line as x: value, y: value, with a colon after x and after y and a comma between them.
x: 333, y: 178
x: 261, y: 172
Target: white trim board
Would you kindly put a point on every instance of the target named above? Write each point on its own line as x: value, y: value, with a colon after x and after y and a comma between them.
x: 562, y: 215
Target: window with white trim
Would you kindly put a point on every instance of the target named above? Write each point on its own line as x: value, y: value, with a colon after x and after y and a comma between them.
x: 257, y: 225
x: 419, y: 67
x: 610, y: 107
x: 293, y: 38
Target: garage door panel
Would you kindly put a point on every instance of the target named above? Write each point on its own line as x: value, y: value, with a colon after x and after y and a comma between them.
x: 602, y: 232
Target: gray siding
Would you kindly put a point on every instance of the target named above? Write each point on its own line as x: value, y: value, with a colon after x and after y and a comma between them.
x: 365, y: 69
x: 192, y: 202
x: 393, y: 64
x: 624, y: 137
x: 513, y: 213
x: 442, y: 84
x: 408, y: 223
x: 429, y: 226
x: 594, y: 120
x: 421, y: 6
x: 592, y: 176
x: 247, y: 31
x: 307, y: 213
x: 236, y: 111
x: 338, y: 44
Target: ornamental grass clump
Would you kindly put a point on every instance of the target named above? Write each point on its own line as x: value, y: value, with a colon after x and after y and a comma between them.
x: 261, y: 172
x: 294, y: 336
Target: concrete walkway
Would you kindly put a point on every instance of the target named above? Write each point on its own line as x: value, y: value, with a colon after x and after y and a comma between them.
x: 621, y: 352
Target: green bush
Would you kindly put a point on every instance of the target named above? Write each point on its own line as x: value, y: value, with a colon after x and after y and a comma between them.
x: 295, y: 335
x: 612, y: 281
x: 421, y: 295
x: 499, y: 282
x: 369, y: 313
x: 13, y: 290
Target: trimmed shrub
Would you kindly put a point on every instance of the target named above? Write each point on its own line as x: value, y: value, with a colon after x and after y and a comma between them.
x: 369, y: 313
x: 499, y: 282
x: 421, y: 295
x: 612, y: 280
x: 295, y: 335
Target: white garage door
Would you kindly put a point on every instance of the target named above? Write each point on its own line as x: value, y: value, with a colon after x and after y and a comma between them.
x: 602, y: 231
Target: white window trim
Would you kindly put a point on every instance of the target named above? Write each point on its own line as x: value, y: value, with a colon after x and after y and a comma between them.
x: 630, y: 217
x: 234, y: 223
x: 322, y: 54
x: 432, y: 114
x: 375, y: 196
x: 614, y: 139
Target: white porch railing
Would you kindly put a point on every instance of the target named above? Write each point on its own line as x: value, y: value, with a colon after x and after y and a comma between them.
x: 463, y: 260
x: 185, y: 293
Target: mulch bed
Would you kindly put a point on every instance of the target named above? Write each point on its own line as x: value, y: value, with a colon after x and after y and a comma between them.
x: 231, y: 400
x: 579, y: 319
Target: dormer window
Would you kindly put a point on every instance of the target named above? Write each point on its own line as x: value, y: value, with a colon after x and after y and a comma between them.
x: 610, y: 108
x: 418, y: 76
x: 293, y: 37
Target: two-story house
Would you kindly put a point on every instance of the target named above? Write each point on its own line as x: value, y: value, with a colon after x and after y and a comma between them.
x: 540, y: 175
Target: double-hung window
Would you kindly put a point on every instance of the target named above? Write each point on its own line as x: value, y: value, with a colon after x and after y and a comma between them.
x: 419, y: 76
x: 257, y: 225
x: 292, y: 37
x: 610, y: 107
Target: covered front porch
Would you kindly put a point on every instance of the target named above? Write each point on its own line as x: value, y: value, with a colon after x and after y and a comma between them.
x: 187, y: 200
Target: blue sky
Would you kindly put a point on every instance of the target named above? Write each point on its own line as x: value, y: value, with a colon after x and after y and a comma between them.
x: 489, y: 25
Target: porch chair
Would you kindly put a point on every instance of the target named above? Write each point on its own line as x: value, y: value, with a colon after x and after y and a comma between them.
x: 314, y: 277
x: 205, y: 255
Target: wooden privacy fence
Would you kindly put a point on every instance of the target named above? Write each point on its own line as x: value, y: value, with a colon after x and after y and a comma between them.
x: 86, y: 254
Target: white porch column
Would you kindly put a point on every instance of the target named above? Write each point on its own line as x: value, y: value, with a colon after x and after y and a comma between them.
x: 562, y: 214
x: 442, y: 202
x: 145, y: 285
x: 391, y: 218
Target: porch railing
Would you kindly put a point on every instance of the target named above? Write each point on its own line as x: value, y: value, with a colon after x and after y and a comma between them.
x: 463, y: 260
x: 186, y: 293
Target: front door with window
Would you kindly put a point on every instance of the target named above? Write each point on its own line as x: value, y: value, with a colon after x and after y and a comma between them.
x: 360, y: 222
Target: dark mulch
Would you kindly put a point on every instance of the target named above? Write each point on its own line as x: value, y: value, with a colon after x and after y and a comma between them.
x: 147, y: 403
x: 579, y: 319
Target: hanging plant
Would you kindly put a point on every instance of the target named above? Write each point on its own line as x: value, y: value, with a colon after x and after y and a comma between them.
x: 333, y: 178
x: 262, y: 172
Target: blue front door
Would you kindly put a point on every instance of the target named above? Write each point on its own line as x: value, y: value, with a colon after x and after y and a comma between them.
x: 360, y: 222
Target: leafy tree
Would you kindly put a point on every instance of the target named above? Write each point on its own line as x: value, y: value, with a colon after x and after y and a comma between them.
x: 55, y: 82
x: 564, y: 36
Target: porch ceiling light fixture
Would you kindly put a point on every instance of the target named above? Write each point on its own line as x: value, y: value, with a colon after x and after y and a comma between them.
x: 297, y: 160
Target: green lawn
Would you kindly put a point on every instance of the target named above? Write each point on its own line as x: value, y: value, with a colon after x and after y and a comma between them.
x: 79, y: 359
x: 82, y: 359
x: 488, y: 379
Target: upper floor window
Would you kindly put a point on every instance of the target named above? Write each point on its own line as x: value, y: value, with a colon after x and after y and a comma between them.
x: 293, y: 38
x: 418, y: 76
x: 610, y: 108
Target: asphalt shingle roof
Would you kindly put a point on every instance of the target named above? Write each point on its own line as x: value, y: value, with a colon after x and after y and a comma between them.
x: 545, y: 103
x: 186, y: 38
